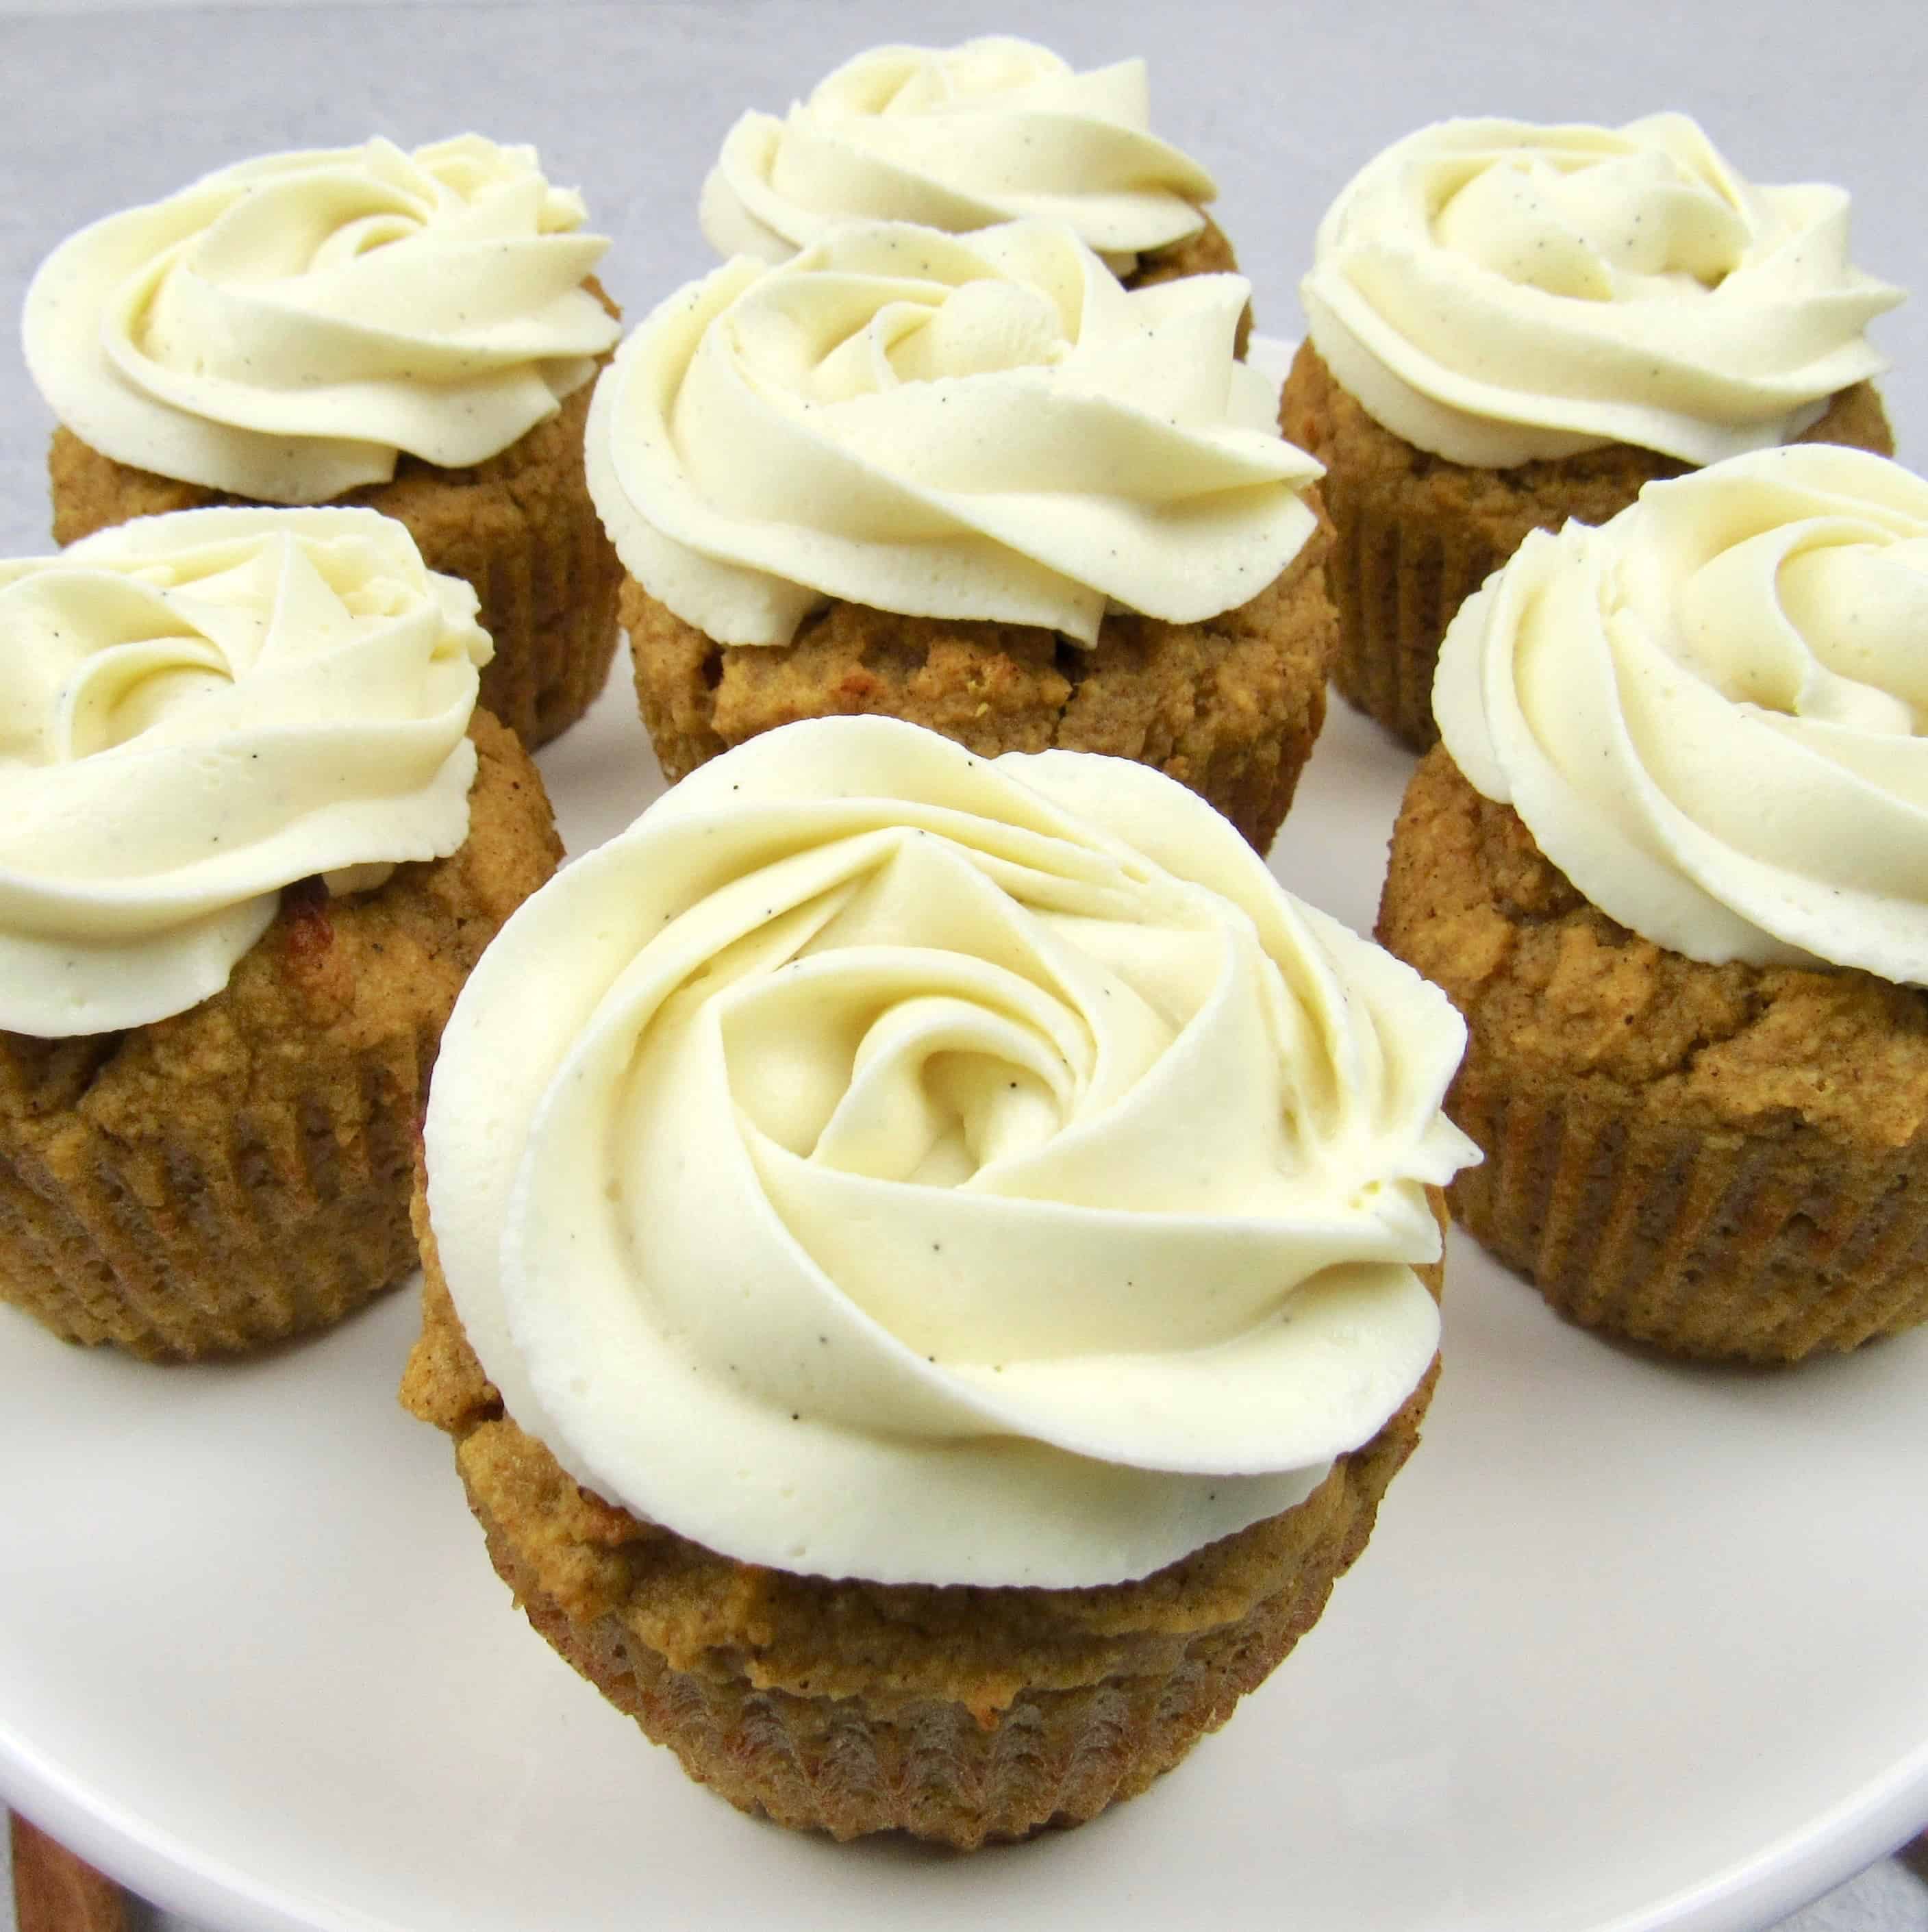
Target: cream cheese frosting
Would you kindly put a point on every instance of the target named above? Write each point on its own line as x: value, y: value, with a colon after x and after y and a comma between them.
x: 981, y: 428
x: 926, y: 1169
x: 1709, y: 711
x: 1496, y: 292
x: 196, y: 710
x: 283, y: 329
x: 957, y: 138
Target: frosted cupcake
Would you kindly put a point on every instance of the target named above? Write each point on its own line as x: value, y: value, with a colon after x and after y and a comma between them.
x: 935, y: 1296
x: 975, y: 484
x: 1508, y: 326
x: 416, y: 333
x: 253, y: 834
x: 964, y: 138
x: 1668, y: 860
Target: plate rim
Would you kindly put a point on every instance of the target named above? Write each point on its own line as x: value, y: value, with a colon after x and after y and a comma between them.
x: 1790, y: 1872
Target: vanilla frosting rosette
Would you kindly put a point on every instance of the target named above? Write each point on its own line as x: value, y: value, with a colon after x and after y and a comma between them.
x: 984, y: 428
x: 1497, y: 292
x: 1709, y: 711
x: 281, y: 329
x: 957, y: 138
x: 198, y: 710
x: 921, y: 1168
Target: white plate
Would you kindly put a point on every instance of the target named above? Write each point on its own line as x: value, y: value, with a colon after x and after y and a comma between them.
x: 1634, y: 1645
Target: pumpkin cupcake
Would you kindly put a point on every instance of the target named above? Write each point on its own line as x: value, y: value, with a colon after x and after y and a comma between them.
x: 1668, y: 861
x: 413, y: 333
x: 1510, y: 325
x: 975, y: 484
x: 964, y: 138
x: 254, y: 834
x: 935, y: 1296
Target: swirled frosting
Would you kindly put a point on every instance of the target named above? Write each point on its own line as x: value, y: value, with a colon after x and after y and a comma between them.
x: 919, y: 1168
x: 282, y: 329
x: 196, y: 710
x: 957, y: 138
x: 1709, y: 711
x: 986, y: 428
x: 1496, y: 292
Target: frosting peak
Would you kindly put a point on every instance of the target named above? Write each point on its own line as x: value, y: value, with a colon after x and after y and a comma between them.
x: 958, y: 139
x: 1496, y: 292
x: 1710, y: 712
x: 982, y: 427
x: 196, y: 710
x: 283, y: 328
x: 925, y: 1168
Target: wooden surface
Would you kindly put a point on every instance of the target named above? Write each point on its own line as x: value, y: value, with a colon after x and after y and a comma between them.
x: 54, y: 1892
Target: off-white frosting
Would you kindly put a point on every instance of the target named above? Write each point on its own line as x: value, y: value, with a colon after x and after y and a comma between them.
x: 986, y: 427
x: 196, y: 710
x: 283, y: 328
x: 1494, y: 292
x: 882, y: 1162
x: 957, y: 138
x: 1709, y: 711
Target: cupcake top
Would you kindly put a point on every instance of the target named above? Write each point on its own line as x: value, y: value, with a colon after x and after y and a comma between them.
x: 1497, y: 293
x: 200, y: 710
x: 925, y: 1168
x: 1710, y: 711
x: 989, y: 427
x: 957, y: 138
x: 284, y: 328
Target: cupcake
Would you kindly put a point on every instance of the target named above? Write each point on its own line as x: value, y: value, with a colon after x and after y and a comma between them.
x: 935, y: 1295
x: 1669, y: 861
x: 1509, y: 325
x: 415, y: 333
x: 252, y: 834
x: 975, y: 484
x: 964, y: 138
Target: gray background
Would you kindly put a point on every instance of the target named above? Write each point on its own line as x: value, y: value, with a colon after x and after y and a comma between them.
x: 109, y: 105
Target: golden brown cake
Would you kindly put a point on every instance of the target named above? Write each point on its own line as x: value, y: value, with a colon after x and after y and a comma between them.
x: 1724, y: 1160
x: 1031, y: 529
x: 1415, y: 535
x: 454, y: 399
x: 961, y: 1714
x: 1512, y: 324
x: 240, y: 1172
x: 1231, y: 707
x: 896, y: 1347
x: 1207, y: 253
x: 1665, y: 859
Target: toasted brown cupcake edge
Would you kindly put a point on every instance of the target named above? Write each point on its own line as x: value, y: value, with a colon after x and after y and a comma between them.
x: 1724, y: 1162
x: 1231, y: 706
x: 964, y: 1714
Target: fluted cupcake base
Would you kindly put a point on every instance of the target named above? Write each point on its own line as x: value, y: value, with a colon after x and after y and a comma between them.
x: 209, y: 1236
x: 934, y: 1768
x: 1762, y: 1249
x: 1397, y: 585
